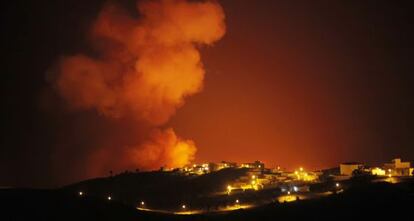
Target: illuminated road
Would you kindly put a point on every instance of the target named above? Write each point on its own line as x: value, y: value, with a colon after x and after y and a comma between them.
x: 184, y: 212
x: 304, y: 196
x: 389, y: 180
x: 285, y: 198
x: 192, y: 212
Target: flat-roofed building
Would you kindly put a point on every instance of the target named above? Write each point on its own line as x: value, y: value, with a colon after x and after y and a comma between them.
x: 349, y: 167
x: 398, y: 168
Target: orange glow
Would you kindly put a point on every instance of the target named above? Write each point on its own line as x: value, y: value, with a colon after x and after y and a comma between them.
x: 273, y: 97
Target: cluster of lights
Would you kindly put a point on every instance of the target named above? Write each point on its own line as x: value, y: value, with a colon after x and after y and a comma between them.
x: 198, y: 169
x: 222, y: 166
x: 248, y: 165
x: 389, y: 173
x: 303, y: 175
x: 254, y: 182
x: 229, y: 188
x: 245, y: 166
x: 205, y: 167
x: 380, y: 172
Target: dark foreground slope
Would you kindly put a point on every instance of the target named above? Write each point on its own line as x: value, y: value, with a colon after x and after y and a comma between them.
x: 368, y: 202
x: 161, y: 190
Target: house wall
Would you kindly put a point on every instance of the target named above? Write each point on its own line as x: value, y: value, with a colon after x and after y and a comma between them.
x: 347, y: 169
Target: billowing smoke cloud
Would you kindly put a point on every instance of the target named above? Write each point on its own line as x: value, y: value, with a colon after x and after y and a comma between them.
x: 166, y: 147
x: 143, y: 68
x: 147, y: 66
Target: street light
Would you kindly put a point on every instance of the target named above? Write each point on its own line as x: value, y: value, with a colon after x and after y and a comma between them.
x: 109, y: 198
x: 183, y: 206
x: 229, y: 188
x: 237, y: 201
x: 337, y: 184
x: 80, y: 193
x: 142, y: 203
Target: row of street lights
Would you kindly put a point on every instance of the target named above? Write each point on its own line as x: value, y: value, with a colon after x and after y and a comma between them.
x: 80, y: 193
x: 142, y: 203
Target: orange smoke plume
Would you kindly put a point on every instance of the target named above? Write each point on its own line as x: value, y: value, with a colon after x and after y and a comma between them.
x: 164, y: 149
x: 143, y: 68
x: 147, y: 66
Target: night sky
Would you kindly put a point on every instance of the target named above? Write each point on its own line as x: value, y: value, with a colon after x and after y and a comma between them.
x: 292, y: 83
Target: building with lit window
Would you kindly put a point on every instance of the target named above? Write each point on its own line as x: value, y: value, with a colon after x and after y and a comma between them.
x: 398, y: 168
x: 255, y: 165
